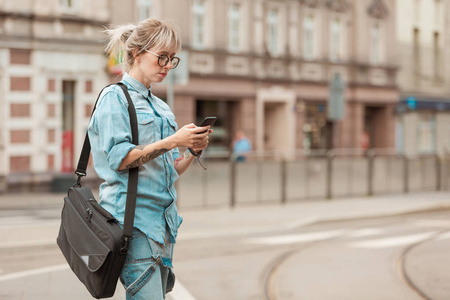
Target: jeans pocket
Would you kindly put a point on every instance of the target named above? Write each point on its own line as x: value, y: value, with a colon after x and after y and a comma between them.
x: 170, y: 281
x: 134, y: 280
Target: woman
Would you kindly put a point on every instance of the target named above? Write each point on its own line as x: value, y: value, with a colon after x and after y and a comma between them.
x: 148, y: 55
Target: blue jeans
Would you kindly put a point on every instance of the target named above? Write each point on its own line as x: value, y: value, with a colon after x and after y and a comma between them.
x: 147, y: 272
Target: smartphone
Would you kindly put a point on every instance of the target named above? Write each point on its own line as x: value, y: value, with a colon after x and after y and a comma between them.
x: 208, y: 121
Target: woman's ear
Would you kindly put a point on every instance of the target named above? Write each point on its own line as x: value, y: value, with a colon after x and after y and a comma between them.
x: 136, y: 55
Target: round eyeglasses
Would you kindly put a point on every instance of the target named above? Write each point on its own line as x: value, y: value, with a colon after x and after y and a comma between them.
x: 163, y: 60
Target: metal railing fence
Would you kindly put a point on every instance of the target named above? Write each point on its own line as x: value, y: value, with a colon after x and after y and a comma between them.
x: 271, y: 178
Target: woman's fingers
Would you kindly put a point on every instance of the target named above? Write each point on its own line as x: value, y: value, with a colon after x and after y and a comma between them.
x: 202, y: 130
x: 192, y: 125
x: 203, y: 142
x: 194, y: 137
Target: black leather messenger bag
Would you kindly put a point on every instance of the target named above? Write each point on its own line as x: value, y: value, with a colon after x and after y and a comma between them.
x: 90, y: 238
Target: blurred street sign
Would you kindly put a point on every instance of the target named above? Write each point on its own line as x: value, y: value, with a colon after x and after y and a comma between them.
x: 181, y: 73
x: 336, y: 100
x: 411, y: 102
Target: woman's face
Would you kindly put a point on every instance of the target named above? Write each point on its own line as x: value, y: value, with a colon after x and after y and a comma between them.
x: 146, y: 68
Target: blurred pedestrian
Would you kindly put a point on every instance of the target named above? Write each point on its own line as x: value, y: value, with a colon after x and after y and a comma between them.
x: 241, y: 146
x: 149, y: 50
x: 365, y: 141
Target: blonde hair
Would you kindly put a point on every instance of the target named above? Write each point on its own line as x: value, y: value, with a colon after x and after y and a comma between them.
x: 123, y: 40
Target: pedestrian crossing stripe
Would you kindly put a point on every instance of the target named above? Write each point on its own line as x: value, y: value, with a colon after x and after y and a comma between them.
x: 393, y: 241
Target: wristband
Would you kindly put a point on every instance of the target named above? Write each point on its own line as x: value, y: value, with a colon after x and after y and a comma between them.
x: 193, y: 153
x: 198, y: 156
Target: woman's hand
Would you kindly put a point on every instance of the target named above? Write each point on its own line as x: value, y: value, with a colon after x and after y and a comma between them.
x: 203, y: 145
x: 193, y: 137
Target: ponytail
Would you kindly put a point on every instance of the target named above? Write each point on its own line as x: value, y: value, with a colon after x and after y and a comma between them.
x: 117, y: 42
x: 124, y: 39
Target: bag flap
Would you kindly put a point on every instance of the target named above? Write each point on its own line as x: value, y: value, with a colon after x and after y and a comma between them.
x: 86, y: 244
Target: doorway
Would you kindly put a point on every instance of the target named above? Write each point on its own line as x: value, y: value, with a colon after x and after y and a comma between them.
x: 374, y: 127
x: 68, y: 90
x: 275, y: 127
x: 221, y: 140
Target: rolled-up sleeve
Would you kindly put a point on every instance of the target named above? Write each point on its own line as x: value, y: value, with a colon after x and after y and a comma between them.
x: 112, y: 124
x: 175, y: 153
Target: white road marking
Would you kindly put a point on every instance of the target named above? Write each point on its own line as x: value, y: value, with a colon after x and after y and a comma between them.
x: 297, y: 238
x: 245, y: 231
x: 179, y: 291
x: 433, y: 223
x: 35, y: 223
x: 444, y: 236
x: 20, y: 244
x: 393, y: 241
x: 34, y: 272
x: 364, y: 232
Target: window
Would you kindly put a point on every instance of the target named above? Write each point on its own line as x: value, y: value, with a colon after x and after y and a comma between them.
x: 417, y: 15
x: 416, y: 50
x: 308, y: 38
x: 199, y: 24
x: 273, y: 32
x: 234, y: 16
x: 426, y: 133
x: 68, y: 124
x: 375, y: 45
x: 69, y: 5
x: 145, y: 9
x: 335, y: 40
x: 437, y: 12
x: 437, y: 55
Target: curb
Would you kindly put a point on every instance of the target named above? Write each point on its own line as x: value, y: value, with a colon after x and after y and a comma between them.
x: 430, y: 208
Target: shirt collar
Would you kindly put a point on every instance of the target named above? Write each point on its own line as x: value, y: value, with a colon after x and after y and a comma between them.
x: 137, y: 85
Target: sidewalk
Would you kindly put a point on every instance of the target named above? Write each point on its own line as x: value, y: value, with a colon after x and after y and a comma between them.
x: 202, y: 222
x: 198, y: 224
x: 239, y: 221
x: 249, y: 219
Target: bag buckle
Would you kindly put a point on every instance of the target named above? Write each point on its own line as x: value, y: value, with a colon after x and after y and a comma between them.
x: 79, y: 174
x: 124, y: 249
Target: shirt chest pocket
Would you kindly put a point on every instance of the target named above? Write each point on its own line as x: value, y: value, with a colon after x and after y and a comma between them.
x: 172, y: 126
x: 147, y: 128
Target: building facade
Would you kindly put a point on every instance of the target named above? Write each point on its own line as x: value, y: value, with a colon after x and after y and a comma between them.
x: 423, y: 123
x: 261, y: 66
x: 52, y: 67
x: 264, y: 67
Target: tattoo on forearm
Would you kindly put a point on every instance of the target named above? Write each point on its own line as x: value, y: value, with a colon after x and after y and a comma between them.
x: 146, y: 158
x: 187, y: 154
x: 178, y: 160
x: 140, y: 147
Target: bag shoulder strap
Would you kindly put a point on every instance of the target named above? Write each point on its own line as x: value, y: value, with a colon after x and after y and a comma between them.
x: 133, y: 173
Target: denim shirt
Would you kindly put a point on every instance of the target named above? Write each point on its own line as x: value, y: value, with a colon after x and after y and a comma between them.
x: 110, y: 137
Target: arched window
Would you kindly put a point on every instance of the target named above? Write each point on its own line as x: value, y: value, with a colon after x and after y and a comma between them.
x: 308, y: 38
x: 336, y: 40
x: 144, y: 9
x: 234, y: 17
x: 375, y: 44
x: 199, y: 27
x: 273, y: 23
